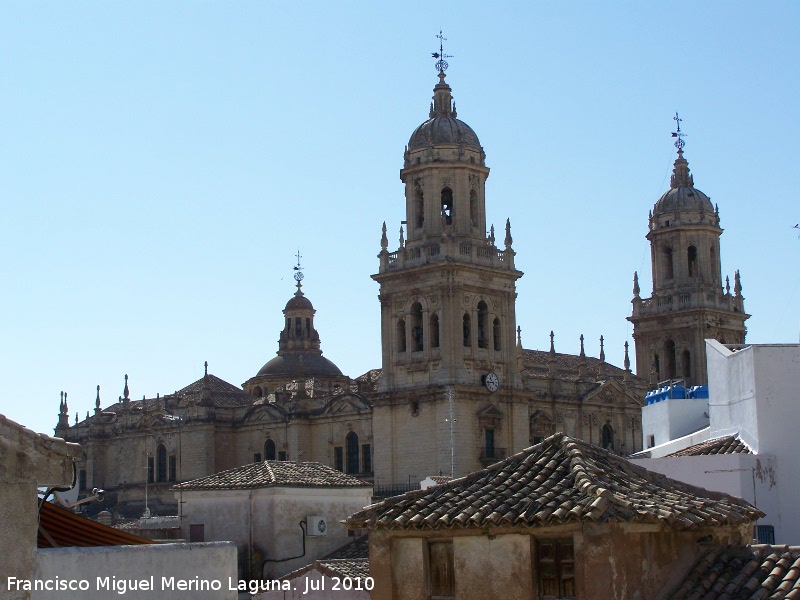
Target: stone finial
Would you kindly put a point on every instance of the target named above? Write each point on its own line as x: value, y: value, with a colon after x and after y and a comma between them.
x: 636, y: 289
x: 552, y: 344
x: 583, y: 353
x: 737, y: 283
x: 509, y: 240
x: 384, y: 239
x: 602, y: 350
x: 66, y: 406
x: 402, y: 237
x: 727, y: 285
x: 627, y: 362
x: 206, y: 370
x: 126, y: 393
x: 61, y: 404
x: 76, y: 417
x: 87, y: 415
x: 97, y: 401
x: 681, y: 177
x: 519, y: 337
x: 491, y: 235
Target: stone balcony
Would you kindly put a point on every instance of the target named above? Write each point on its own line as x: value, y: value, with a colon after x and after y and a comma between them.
x: 681, y: 300
x: 425, y: 252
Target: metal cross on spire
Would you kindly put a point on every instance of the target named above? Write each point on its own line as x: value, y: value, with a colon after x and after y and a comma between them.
x: 298, y: 270
x: 679, y: 144
x: 441, y: 63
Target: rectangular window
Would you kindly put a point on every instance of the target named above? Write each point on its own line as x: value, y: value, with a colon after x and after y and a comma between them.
x: 338, y: 458
x: 282, y: 455
x: 151, y: 470
x: 489, y: 439
x: 173, y: 468
x: 197, y: 533
x: 366, y: 458
x: 82, y: 479
x: 651, y: 441
x: 441, y: 569
x: 257, y: 457
x: 765, y: 534
x: 556, y: 568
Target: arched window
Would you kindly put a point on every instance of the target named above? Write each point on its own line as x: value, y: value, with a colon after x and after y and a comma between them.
x: 668, y: 271
x: 691, y: 257
x: 483, y: 315
x: 496, y: 334
x: 419, y: 203
x: 401, y: 335
x: 161, y: 463
x: 257, y: 393
x: 473, y: 206
x: 269, y: 450
x: 434, y: 330
x: 686, y: 364
x: 416, y: 326
x: 298, y: 327
x: 669, y: 350
x: 351, y: 443
x: 289, y: 324
x: 608, y: 437
x: 657, y: 366
x: 467, y: 331
x: 447, y: 205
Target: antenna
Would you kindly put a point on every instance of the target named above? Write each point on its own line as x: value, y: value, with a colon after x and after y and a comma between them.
x: 441, y: 63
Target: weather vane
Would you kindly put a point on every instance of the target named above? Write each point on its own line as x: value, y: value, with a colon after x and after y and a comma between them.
x: 298, y: 270
x: 441, y: 64
x: 679, y: 144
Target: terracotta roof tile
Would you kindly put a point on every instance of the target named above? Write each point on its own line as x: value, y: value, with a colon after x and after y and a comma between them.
x: 59, y: 527
x: 274, y: 473
x: 744, y: 572
x: 560, y: 480
x: 730, y: 444
x: 358, y: 548
x: 344, y: 567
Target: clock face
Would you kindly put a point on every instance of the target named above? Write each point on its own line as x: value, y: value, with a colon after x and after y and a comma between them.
x: 492, y: 382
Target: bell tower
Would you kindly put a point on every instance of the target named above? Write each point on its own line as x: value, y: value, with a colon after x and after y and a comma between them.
x: 448, y: 292
x: 688, y: 303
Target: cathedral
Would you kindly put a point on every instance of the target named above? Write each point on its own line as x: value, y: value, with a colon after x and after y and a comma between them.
x: 455, y: 391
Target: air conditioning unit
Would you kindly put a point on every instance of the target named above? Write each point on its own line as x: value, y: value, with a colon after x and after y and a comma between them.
x: 316, y: 526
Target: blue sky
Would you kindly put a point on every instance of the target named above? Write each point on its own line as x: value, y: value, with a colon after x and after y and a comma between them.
x: 161, y: 164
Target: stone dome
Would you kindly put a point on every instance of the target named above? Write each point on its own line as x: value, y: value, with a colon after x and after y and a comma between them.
x: 683, y: 198
x: 442, y: 126
x: 443, y: 130
x: 300, y: 365
x: 298, y: 302
x: 682, y: 195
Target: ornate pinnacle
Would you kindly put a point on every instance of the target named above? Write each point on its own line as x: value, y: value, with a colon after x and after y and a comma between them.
x: 126, y: 392
x: 552, y: 343
x: 519, y: 336
x: 402, y: 238
x: 737, y: 283
x: 602, y: 350
x: 636, y: 289
x: 727, y: 285
x: 627, y: 362
x: 384, y: 239
x: 583, y: 354
x: 509, y: 240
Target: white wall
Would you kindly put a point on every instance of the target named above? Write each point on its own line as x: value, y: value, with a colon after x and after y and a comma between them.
x: 747, y: 476
x: 268, y: 519
x: 193, y: 563
x: 673, y: 418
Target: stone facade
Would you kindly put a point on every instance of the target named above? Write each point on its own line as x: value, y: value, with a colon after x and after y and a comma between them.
x: 456, y: 391
x: 688, y: 303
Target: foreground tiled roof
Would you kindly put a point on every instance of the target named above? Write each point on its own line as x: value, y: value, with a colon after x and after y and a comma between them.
x: 751, y: 572
x: 729, y: 444
x: 59, y: 527
x: 358, y: 548
x: 274, y: 473
x: 561, y: 480
x: 343, y: 567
